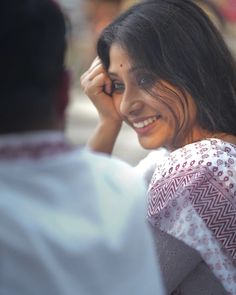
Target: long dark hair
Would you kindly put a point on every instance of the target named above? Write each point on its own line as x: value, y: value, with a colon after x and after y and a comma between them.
x: 176, y: 42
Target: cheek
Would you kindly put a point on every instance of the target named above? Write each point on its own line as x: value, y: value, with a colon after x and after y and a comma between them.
x: 172, y: 109
x: 166, y: 109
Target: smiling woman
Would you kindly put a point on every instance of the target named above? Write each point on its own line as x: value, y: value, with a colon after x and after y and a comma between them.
x: 151, y: 119
x: 164, y: 69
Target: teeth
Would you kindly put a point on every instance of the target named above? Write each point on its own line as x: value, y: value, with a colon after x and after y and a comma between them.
x: 145, y: 122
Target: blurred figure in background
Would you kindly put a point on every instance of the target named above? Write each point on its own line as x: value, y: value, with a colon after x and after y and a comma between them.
x: 70, y: 222
x: 212, y: 10
x: 98, y: 14
x: 227, y: 8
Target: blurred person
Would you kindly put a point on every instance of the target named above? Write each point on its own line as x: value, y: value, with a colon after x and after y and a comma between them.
x: 71, y: 221
x: 165, y: 70
x: 215, y: 10
x: 126, y: 4
x: 212, y: 10
x: 98, y: 14
x: 228, y: 9
x: 101, y: 12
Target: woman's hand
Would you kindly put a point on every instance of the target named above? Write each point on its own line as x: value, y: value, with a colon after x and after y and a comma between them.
x: 97, y: 85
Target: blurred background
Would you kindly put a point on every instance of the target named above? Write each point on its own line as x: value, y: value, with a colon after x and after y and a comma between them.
x: 88, y: 18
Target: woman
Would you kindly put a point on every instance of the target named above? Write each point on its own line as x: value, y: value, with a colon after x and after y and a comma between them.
x: 164, y: 69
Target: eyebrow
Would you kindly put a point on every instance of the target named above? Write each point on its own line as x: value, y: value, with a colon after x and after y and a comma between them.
x: 131, y: 70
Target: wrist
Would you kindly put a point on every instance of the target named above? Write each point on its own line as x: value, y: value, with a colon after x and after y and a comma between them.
x: 111, y: 123
x: 105, y: 135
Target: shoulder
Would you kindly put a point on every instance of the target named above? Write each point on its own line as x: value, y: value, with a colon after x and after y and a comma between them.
x: 212, y: 154
x: 196, y: 173
x: 109, y: 166
x: 113, y: 174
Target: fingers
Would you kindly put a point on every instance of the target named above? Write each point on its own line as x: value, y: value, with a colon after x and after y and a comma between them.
x: 97, y: 85
x: 95, y: 68
x: 91, y: 74
x: 95, y: 79
x: 96, y: 62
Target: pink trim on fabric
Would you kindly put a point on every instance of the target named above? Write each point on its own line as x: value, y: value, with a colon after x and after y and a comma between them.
x: 33, y: 150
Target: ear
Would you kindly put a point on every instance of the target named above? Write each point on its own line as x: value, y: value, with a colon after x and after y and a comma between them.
x: 62, y: 96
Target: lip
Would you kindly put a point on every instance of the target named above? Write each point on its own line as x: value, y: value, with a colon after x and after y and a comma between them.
x: 146, y: 129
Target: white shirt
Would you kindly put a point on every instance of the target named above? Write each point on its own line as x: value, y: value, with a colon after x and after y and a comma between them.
x: 71, y: 222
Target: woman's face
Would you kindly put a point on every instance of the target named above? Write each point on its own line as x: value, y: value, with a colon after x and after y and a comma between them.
x: 155, y: 120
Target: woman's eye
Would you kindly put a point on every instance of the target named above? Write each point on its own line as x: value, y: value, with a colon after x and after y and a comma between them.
x: 118, y: 87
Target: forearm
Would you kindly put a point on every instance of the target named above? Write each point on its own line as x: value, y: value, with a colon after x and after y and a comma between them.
x: 104, y: 137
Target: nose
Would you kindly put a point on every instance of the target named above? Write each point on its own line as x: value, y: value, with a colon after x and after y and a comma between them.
x: 130, y: 105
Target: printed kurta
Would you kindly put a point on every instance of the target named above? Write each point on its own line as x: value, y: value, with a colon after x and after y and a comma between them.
x: 192, y: 197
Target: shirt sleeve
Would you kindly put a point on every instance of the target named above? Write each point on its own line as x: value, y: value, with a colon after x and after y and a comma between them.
x: 133, y: 265
x: 146, y: 166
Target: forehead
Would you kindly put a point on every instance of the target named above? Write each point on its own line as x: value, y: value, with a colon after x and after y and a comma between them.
x: 119, y: 59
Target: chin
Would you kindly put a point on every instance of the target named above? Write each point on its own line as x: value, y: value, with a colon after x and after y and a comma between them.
x: 149, y: 146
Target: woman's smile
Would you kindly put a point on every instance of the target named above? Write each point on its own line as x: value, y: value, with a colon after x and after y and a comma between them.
x: 145, y: 125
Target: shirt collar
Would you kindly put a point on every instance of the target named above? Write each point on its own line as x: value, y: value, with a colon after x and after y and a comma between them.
x: 32, y: 145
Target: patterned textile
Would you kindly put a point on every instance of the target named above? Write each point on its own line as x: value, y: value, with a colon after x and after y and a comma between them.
x: 32, y: 146
x: 192, y: 196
